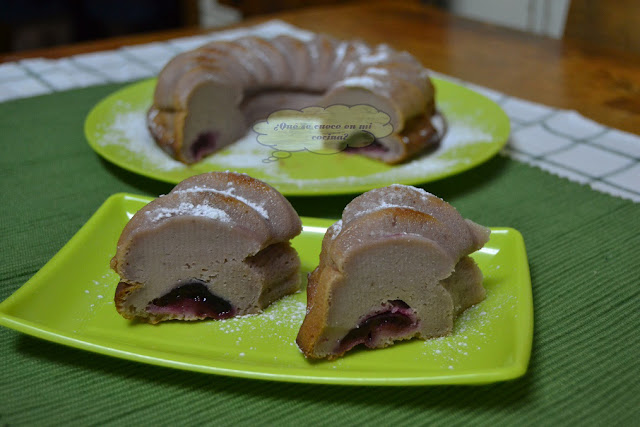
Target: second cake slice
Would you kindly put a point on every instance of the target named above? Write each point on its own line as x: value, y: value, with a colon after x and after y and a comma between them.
x: 216, y: 246
x: 395, y: 267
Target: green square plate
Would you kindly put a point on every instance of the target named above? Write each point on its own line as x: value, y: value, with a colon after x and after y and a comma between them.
x: 70, y: 301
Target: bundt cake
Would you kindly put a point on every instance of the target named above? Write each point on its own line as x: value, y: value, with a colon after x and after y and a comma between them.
x: 216, y: 246
x: 207, y: 98
x: 396, y: 266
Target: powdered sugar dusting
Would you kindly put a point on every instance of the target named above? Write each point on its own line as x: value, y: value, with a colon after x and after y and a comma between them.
x: 230, y: 191
x: 246, y: 153
x: 186, y: 208
x: 393, y: 196
x: 377, y: 71
x: 277, y: 325
x: 337, y: 228
x: 380, y: 206
x: 363, y: 81
x: 382, y: 54
x: 421, y: 191
x: 475, y: 330
x: 461, y: 133
x: 129, y: 130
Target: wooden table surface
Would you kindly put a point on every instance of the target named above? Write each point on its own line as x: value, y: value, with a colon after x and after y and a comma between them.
x: 601, y: 83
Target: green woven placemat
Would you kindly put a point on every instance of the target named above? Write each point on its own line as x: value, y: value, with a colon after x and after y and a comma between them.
x: 583, y: 250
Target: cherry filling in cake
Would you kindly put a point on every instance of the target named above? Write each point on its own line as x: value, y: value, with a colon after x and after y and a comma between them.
x: 204, y: 145
x: 396, y: 320
x: 193, y: 300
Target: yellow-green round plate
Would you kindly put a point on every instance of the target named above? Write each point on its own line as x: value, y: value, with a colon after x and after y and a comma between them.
x: 74, y: 306
x: 477, y: 130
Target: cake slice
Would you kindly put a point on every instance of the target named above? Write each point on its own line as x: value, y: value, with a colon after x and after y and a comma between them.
x: 395, y: 267
x: 215, y: 247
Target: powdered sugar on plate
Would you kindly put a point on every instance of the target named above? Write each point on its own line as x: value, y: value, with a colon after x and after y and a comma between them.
x: 449, y: 350
x: 461, y: 133
x: 128, y: 130
x: 246, y: 153
x: 281, y: 320
x: 474, y: 330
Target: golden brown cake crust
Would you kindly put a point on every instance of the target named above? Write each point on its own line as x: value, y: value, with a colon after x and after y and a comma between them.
x: 123, y: 290
x: 316, y: 317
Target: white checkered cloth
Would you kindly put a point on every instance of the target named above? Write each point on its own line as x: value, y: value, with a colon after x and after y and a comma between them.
x: 561, y: 142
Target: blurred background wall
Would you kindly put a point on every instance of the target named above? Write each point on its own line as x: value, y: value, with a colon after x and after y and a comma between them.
x: 32, y: 24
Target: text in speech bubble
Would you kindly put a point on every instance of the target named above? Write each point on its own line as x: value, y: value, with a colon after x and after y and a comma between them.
x: 321, y: 130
